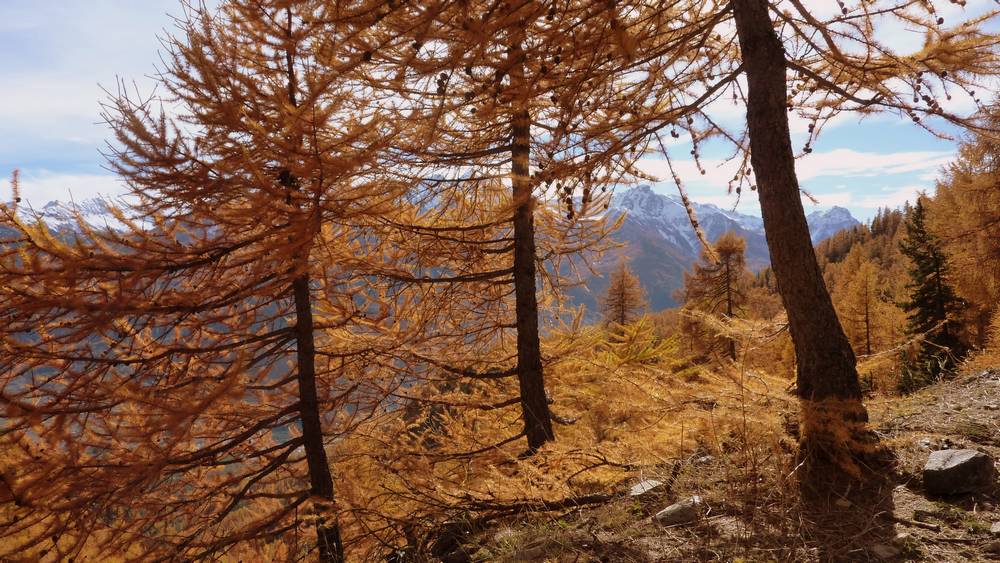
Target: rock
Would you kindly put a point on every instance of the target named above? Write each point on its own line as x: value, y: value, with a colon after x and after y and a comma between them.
x: 885, y: 551
x: 951, y: 472
x: 991, y: 407
x: 901, y: 539
x: 704, y: 459
x: 995, y: 529
x: 842, y: 503
x: 681, y: 512
x: 643, y: 487
x: 992, y: 547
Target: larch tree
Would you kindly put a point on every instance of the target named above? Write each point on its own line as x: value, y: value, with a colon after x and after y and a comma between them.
x: 718, y: 284
x: 813, y: 61
x: 625, y: 299
x: 965, y: 213
x: 171, y: 386
x: 862, y: 308
x: 527, y: 112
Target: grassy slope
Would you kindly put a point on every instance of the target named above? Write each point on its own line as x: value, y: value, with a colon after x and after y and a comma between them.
x: 756, y: 514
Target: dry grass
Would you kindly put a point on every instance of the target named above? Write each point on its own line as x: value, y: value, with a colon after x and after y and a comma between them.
x: 757, y: 511
x: 634, y: 408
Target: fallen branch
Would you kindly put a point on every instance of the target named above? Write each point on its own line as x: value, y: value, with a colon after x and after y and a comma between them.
x: 914, y: 523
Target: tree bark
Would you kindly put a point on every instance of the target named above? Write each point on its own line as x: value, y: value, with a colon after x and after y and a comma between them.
x: 827, y: 379
x: 331, y: 549
x: 729, y: 307
x: 534, y: 406
x: 868, y: 320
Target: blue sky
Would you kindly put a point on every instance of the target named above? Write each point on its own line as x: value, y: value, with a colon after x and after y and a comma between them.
x: 56, y: 54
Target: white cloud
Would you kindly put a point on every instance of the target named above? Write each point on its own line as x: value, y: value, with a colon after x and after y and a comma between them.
x: 847, y: 162
x: 891, y: 197
x: 834, y: 163
x: 39, y: 188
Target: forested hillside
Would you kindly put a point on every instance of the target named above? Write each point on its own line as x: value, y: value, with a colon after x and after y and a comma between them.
x: 330, y: 317
x: 659, y: 241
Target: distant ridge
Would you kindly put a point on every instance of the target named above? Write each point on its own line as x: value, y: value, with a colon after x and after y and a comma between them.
x: 661, y: 243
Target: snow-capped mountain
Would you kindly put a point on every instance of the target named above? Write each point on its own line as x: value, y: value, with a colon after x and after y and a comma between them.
x: 824, y: 224
x: 59, y: 216
x: 661, y: 244
x: 659, y: 240
x: 62, y: 217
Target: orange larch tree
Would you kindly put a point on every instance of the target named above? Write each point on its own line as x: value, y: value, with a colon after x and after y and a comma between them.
x: 532, y: 109
x: 717, y: 285
x: 171, y: 386
x: 812, y: 61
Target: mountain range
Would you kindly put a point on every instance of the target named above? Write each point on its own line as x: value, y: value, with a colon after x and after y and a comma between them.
x: 656, y: 236
x: 660, y: 244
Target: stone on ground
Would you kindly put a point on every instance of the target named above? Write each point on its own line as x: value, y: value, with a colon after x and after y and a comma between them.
x: 952, y: 472
x: 682, y: 512
x: 643, y: 487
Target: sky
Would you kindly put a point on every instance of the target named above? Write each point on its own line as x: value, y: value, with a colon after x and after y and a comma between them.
x: 58, y: 56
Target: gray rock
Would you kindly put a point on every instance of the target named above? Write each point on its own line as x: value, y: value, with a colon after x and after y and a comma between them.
x: 885, y: 551
x: 644, y: 487
x: 951, y: 472
x: 992, y: 547
x: 681, y: 512
x: 995, y: 529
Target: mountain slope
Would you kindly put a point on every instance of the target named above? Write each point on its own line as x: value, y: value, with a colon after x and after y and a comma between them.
x: 658, y: 239
x: 660, y: 243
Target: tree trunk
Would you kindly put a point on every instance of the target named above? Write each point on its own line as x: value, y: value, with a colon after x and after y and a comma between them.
x: 729, y: 308
x: 868, y: 321
x: 941, y: 310
x: 534, y: 406
x: 621, y: 302
x: 331, y: 549
x: 827, y: 379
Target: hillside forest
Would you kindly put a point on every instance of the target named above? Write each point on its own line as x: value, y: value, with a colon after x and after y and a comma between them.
x: 332, y: 318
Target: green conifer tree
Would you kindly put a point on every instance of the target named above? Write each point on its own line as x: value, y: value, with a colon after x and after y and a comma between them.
x: 932, y: 305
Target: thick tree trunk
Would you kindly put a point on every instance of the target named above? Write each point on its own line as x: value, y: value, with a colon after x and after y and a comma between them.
x: 534, y: 406
x: 331, y: 549
x: 827, y: 379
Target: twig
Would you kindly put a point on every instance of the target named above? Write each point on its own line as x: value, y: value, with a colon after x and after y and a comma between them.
x: 914, y: 523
